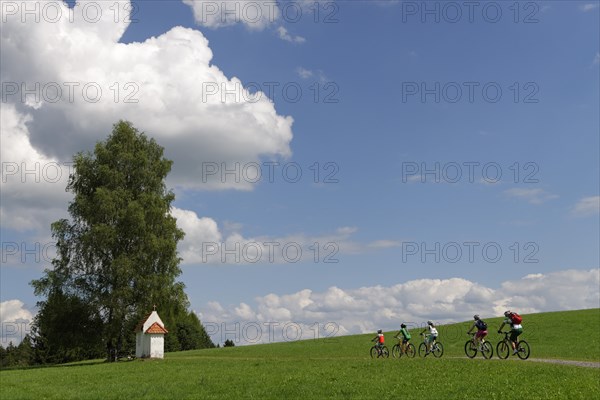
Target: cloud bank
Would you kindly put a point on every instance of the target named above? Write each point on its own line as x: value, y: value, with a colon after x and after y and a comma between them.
x: 366, y: 309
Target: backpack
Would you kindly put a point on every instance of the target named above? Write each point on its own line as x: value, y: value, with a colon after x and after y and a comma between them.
x: 481, y: 325
x: 516, y: 319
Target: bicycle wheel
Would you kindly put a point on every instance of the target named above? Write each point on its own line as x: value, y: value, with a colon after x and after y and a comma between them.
x: 411, y: 351
x: 385, y: 353
x: 487, y: 350
x: 374, y: 352
x: 438, y: 350
x: 524, y: 350
x: 470, y: 349
x: 503, y: 349
x: 422, y: 349
x: 396, y: 351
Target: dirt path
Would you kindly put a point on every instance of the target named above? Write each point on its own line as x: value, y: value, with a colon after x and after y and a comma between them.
x: 588, y: 364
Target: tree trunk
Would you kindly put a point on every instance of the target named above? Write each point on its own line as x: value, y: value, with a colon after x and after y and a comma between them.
x: 109, y: 340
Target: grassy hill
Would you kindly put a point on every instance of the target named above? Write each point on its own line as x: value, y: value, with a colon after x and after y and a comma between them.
x: 339, y: 368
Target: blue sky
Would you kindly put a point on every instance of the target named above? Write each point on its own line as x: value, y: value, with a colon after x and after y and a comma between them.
x: 365, y: 132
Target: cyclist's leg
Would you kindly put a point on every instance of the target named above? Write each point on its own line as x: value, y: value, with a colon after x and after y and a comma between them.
x: 480, y: 336
x: 516, y: 340
x: 514, y: 334
x: 431, y: 341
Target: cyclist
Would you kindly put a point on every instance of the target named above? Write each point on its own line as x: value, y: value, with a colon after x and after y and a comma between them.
x: 433, y: 334
x: 380, y: 340
x: 405, y: 336
x: 514, y: 320
x: 481, y: 329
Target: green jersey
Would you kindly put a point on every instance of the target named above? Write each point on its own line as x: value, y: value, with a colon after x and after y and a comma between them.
x: 405, y: 333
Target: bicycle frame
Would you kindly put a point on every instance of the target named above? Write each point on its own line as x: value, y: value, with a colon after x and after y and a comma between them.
x: 401, y: 342
x: 425, y: 336
x: 507, y: 338
x: 474, y: 339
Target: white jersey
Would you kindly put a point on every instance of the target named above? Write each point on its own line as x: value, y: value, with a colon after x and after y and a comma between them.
x: 433, y: 331
x: 508, y: 321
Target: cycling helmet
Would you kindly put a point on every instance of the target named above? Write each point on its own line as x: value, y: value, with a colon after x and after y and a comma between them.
x: 402, y: 325
x: 507, y: 313
x: 379, y: 331
x: 475, y: 317
x: 429, y: 323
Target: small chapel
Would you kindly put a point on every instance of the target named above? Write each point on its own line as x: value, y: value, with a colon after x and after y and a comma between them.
x: 150, y: 337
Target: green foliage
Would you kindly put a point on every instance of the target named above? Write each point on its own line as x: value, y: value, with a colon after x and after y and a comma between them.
x: 116, y: 256
x: 66, y: 329
x: 3, y: 356
x: 191, y: 334
x: 7, y: 356
x: 229, y: 343
x: 20, y: 356
x: 25, y: 352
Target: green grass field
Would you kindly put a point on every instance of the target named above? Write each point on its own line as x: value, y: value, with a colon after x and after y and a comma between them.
x: 339, y: 368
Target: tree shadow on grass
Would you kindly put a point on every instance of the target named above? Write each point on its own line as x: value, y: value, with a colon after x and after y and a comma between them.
x: 83, y: 363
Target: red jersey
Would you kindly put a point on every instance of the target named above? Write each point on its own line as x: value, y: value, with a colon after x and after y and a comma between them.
x: 381, y: 339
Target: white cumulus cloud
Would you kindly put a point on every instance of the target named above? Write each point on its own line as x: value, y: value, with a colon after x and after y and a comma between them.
x: 32, y: 186
x: 61, y: 96
x: 15, y: 320
x: 165, y: 85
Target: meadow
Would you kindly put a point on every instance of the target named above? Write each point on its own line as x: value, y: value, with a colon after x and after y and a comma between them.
x: 339, y: 367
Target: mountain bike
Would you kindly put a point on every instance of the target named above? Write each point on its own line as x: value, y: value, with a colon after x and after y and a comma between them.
x: 436, y: 348
x: 504, y: 347
x: 398, y: 350
x: 377, y: 352
x: 485, y: 348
